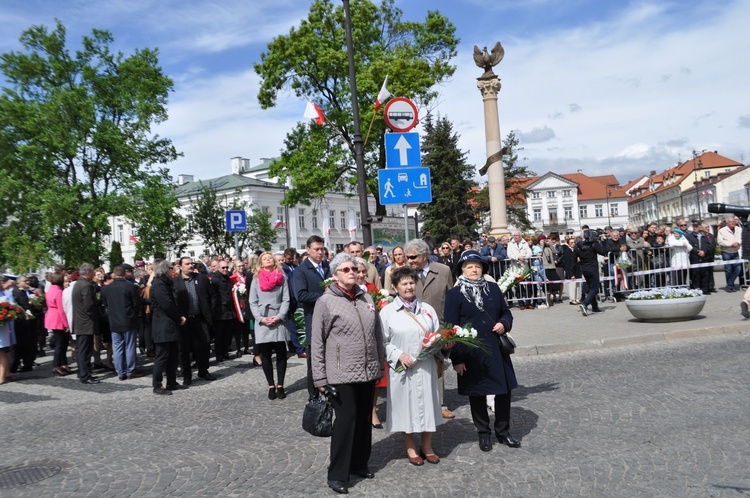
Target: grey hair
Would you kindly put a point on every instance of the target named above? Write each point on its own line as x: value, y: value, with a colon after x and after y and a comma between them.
x: 162, y: 267
x: 362, y: 261
x: 417, y: 244
x: 85, y: 269
x: 342, y: 257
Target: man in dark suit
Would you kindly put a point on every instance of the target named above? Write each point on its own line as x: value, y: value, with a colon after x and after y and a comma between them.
x: 122, y: 300
x: 434, y: 280
x: 86, y: 320
x: 221, y: 305
x: 703, y: 251
x: 193, y: 295
x: 26, y: 328
x: 307, y: 281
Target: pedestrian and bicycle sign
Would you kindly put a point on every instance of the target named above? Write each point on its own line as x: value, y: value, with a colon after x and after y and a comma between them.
x: 405, y: 186
x: 236, y: 221
x: 402, y: 150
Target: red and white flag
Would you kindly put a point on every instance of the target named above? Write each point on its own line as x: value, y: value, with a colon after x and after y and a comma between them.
x: 133, y: 239
x: 328, y: 231
x: 279, y: 224
x: 708, y: 193
x: 353, y: 230
x: 382, y: 95
x: 312, y: 111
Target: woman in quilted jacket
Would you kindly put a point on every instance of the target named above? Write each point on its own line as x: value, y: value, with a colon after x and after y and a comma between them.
x: 347, y: 354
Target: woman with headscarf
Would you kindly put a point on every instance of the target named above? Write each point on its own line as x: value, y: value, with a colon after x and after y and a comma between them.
x: 480, y: 303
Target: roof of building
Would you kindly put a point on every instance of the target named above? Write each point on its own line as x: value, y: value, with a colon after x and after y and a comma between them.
x: 719, y: 177
x: 589, y: 187
x: 223, y: 183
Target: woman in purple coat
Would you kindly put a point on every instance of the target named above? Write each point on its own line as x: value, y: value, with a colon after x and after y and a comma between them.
x: 480, y: 303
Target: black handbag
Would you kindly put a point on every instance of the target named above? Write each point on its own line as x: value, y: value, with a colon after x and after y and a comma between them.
x: 317, y: 419
x: 507, y: 344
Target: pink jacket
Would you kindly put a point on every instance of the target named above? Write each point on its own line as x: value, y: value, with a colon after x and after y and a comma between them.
x: 55, y: 318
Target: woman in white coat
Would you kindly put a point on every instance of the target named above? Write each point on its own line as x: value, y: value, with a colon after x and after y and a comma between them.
x: 413, y: 396
x: 679, y: 249
x: 269, y: 302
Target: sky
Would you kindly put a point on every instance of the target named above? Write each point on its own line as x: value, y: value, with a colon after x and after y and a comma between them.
x: 615, y: 87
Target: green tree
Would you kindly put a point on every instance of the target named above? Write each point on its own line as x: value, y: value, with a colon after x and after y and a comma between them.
x: 115, y: 255
x: 311, y: 62
x: 450, y: 212
x: 208, y: 211
x: 76, y: 140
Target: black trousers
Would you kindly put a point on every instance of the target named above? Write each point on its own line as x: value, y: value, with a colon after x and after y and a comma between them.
x: 700, y: 278
x: 165, y: 360
x: 194, y: 338
x: 482, y: 418
x: 25, y: 343
x: 351, y: 443
x: 84, y: 348
x: 223, y: 330
x: 62, y: 339
x: 592, y: 280
x: 266, y: 350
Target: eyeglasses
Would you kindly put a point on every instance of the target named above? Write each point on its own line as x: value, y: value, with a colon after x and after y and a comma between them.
x: 223, y: 268
x: 413, y: 257
x: 682, y: 225
x: 445, y: 248
x: 346, y: 269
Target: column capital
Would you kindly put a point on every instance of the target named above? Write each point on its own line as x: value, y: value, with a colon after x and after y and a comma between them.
x: 489, y: 87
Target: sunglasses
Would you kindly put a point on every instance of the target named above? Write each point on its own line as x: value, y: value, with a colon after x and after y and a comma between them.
x: 223, y: 268
x: 346, y: 269
x: 412, y: 258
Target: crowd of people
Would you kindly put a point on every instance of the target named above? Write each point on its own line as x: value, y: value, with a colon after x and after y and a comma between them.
x: 180, y: 314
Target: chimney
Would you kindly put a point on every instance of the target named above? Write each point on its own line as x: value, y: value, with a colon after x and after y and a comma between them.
x: 236, y: 163
x: 653, y: 172
x: 183, y: 179
x: 580, y: 171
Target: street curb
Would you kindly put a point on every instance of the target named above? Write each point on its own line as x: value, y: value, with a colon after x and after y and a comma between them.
x: 736, y: 328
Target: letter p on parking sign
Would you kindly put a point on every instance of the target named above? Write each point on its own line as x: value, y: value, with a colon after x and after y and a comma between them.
x: 236, y: 221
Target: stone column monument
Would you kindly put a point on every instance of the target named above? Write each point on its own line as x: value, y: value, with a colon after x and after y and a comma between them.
x: 489, y: 86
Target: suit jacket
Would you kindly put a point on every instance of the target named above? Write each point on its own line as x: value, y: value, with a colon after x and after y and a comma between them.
x: 306, y: 283
x: 708, y: 246
x: 165, y: 323
x: 202, y: 285
x: 436, y: 284
x: 221, y: 301
x: 85, y: 308
x: 122, y: 301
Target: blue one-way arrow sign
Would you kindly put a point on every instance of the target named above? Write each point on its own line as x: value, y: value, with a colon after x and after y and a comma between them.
x: 402, y: 150
x: 405, y: 186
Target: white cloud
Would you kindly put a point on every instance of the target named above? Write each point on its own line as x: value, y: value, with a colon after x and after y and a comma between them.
x: 537, y: 135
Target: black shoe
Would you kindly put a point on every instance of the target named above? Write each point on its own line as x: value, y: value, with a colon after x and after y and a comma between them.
x: 176, y: 387
x: 377, y: 426
x: 99, y: 366
x: 187, y: 382
x: 509, y: 440
x: 280, y: 393
x: 485, y: 443
x: 90, y: 380
x: 123, y: 377
x: 582, y: 307
x: 219, y: 359
x: 162, y: 392
x: 338, y: 486
x: 365, y: 473
x: 271, y: 393
x: 597, y: 311
x: 206, y: 376
x: 239, y: 354
x: 744, y: 310
x: 26, y: 369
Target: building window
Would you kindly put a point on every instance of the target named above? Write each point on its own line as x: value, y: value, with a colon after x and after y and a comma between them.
x: 265, y: 209
x: 553, y: 216
x: 707, y: 174
x: 538, y: 214
x: 280, y: 212
x: 120, y: 232
x: 301, y: 216
x: 566, y: 193
x: 343, y: 220
x: 551, y: 194
x: 536, y: 195
x: 568, y: 212
x: 314, y: 218
x: 583, y: 212
x: 357, y: 220
x: 613, y: 209
x: 598, y: 210
x: 331, y: 219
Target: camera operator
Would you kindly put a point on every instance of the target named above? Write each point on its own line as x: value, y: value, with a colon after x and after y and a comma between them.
x: 588, y: 249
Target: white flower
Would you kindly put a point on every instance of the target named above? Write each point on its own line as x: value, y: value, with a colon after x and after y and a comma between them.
x: 473, y: 333
x: 385, y: 293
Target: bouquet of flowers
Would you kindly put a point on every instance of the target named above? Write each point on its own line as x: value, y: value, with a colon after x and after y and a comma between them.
x: 325, y: 283
x: 381, y: 298
x: 9, y: 312
x: 512, y: 276
x: 240, y: 290
x: 433, y: 342
x: 623, y: 261
x: 37, y: 301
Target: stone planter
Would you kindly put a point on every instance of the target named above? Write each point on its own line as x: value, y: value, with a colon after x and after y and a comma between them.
x: 666, y: 310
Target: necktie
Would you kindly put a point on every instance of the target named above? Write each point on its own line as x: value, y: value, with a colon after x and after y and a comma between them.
x: 422, y: 276
x: 320, y: 270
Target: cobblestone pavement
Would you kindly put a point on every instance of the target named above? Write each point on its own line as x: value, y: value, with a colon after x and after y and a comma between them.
x: 663, y: 419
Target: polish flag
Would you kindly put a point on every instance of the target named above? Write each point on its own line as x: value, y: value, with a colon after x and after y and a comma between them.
x: 133, y: 239
x: 383, y: 95
x: 708, y: 193
x: 328, y: 231
x: 312, y: 111
x: 279, y: 224
x: 353, y: 230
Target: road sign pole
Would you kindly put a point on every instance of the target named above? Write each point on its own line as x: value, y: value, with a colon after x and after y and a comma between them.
x: 406, y: 225
x: 237, y: 245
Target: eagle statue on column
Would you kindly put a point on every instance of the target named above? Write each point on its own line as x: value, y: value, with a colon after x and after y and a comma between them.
x: 488, y: 60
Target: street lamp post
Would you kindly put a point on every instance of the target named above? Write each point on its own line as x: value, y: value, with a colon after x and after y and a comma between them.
x: 695, y: 169
x: 609, y: 222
